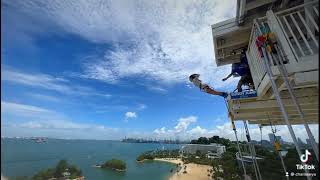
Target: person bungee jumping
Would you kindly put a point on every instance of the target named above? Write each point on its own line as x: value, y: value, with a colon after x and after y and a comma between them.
x: 194, y: 78
x: 241, y: 69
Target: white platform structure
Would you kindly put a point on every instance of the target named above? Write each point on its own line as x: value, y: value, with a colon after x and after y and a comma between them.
x: 213, y: 149
x: 287, y: 83
x: 297, y: 31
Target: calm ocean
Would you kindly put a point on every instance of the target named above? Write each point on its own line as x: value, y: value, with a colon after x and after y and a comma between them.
x: 21, y: 157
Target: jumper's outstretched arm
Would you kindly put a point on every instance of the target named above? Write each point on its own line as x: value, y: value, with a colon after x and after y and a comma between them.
x: 197, y: 82
x: 227, y: 77
x: 209, y: 90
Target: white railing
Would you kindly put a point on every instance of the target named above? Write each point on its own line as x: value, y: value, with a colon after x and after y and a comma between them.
x: 296, y: 30
x: 254, y: 58
x: 300, y: 25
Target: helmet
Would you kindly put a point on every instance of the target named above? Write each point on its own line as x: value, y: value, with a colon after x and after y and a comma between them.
x: 191, y: 77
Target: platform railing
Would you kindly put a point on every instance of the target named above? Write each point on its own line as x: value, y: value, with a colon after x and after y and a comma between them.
x: 300, y: 25
x: 254, y: 58
x: 296, y: 30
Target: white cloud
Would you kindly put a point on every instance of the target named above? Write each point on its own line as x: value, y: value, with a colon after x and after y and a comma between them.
x: 159, y: 40
x: 160, y: 131
x: 225, y: 130
x: 157, y: 89
x: 141, y: 107
x: 59, y: 124
x: 21, y: 108
x: 179, y: 131
x: 48, y: 82
x: 198, y: 130
x: 38, y: 121
x: 44, y: 97
x: 183, y: 123
x: 130, y: 115
x: 25, y: 111
x: 37, y: 80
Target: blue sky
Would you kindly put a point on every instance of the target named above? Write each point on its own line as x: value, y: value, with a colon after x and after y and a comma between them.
x: 109, y: 69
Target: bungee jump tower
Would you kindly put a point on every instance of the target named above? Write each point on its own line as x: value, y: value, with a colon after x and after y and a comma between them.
x: 282, y: 42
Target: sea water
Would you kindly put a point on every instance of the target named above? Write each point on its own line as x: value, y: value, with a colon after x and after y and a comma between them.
x: 25, y: 157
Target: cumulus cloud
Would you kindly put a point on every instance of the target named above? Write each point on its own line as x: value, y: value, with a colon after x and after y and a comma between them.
x: 225, y: 130
x: 198, y: 131
x: 179, y: 130
x: 183, y: 123
x: 130, y: 115
x: 38, y: 121
x: 159, y: 40
x: 160, y: 131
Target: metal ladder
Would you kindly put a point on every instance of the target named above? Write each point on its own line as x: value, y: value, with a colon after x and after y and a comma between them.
x: 252, y: 152
x: 266, y: 61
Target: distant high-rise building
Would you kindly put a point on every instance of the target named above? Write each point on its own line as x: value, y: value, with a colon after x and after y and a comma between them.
x: 271, y: 137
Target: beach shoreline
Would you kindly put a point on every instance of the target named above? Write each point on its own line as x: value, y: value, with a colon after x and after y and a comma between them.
x: 194, y: 171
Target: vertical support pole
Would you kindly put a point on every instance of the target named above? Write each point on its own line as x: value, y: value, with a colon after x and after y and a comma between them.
x: 280, y: 103
x: 260, y: 127
x: 252, y: 151
x: 280, y: 156
x: 237, y: 140
x: 235, y: 133
x: 284, y: 73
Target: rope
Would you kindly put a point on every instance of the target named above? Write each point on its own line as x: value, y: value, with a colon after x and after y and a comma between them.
x: 235, y: 133
x: 274, y: 135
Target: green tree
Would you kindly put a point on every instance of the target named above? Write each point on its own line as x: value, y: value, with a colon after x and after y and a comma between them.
x: 194, y: 141
x: 57, y: 171
x: 214, y: 139
x: 60, y: 168
x: 203, y: 140
x: 230, y: 168
x: 114, y: 164
x: 44, y: 174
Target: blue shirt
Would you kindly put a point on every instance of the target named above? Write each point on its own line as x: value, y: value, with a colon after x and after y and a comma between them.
x: 241, y: 68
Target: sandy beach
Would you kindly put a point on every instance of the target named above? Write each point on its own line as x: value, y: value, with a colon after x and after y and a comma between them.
x: 194, y: 171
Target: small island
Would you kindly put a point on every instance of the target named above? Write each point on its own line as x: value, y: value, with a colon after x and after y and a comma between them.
x: 114, y: 164
x: 145, y: 156
x: 63, y: 170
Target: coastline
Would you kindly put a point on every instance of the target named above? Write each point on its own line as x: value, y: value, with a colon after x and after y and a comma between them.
x: 115, y: 169
x: 194, y: 171
x: 170, y: 160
